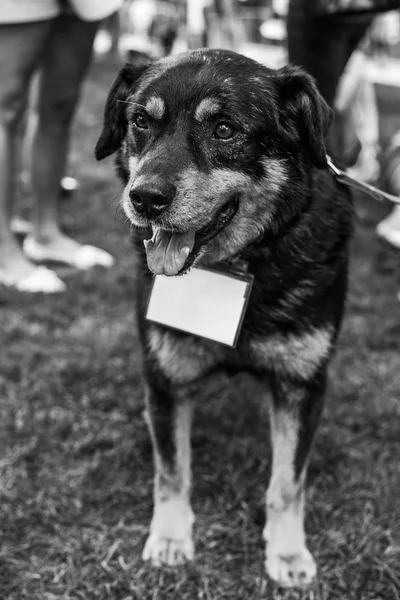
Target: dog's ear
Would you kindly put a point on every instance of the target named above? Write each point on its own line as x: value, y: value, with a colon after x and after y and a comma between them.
x: 115, y: 122
x: 306, y: 115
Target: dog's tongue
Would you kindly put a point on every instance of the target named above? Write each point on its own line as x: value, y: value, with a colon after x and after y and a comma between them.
x: 167, y: 252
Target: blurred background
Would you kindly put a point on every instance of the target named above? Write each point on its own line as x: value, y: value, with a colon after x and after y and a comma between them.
x: 75, y: 455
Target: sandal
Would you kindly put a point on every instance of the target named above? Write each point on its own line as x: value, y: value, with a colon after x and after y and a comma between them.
x: 85, y: 257
x: 41, y: 280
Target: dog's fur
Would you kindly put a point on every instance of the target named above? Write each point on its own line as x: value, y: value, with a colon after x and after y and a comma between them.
x: 292, y: 224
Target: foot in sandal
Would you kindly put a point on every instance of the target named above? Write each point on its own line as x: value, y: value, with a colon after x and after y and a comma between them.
x: 18, y: 273
x: 65, y: 250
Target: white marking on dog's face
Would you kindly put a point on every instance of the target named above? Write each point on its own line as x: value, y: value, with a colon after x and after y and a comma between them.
x: 276, y: 171
x: 125, y: 201
x: 298, y: 355
x: 155, y: 107
x: 133, y: 163
x: 206, y: 108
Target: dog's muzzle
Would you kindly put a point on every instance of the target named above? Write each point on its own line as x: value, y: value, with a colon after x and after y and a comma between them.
x: 171, y: 253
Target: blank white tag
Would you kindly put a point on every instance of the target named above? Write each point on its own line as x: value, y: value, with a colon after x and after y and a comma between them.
x: 204, y: 302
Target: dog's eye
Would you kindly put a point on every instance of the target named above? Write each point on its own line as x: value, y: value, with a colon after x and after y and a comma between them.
x: 224, y: 131
x: 141, y: 122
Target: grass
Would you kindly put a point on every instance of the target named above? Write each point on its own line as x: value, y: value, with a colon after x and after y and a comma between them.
x: 75, y: 460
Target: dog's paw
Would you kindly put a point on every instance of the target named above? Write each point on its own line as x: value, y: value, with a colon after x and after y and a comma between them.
x: 170, y: 541
x: 297, y: 570
x: 165, y: 551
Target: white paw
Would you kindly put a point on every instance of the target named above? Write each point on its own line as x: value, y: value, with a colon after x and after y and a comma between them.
x: 170, y: 541
x: 295, y: 570
x: 165, y: 551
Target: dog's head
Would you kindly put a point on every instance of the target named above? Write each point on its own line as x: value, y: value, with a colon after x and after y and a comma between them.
x: 213, y: 149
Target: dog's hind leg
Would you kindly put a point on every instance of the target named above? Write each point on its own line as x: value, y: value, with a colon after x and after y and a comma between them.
x: 169, y: 420
x: 294, y: 415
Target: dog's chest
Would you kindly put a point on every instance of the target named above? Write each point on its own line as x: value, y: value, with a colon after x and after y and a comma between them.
x: 183, y: 358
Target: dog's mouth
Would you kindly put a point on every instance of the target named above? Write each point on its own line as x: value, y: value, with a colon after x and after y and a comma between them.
x: 172, y: 253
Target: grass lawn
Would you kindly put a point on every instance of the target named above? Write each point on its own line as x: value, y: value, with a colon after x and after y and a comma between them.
x: 75, y: 460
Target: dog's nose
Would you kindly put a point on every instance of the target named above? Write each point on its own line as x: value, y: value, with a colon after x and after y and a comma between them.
x: 151, y: 201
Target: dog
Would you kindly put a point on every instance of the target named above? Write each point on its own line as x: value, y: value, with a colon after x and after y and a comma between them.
x: 222, y: 158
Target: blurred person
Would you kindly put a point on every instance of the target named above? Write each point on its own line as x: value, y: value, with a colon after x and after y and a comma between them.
x: 323, y: 44
x: 225, y: 28
x: 198, y: 22
x: 68, y: 183
x: 385, y: 36
x: 357, y: 111
x: 108, y: 36
x: 322, y: 36
x: 389, y: 228
x: 164, y: 26
x: 141, y: 14
x: 57, y: 39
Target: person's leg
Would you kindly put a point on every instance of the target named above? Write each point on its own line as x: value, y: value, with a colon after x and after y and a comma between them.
x: 389, y: 228
x: 21, y: 49
x: 68, y: 183
x: 323, y: 47
x: 314, y: 45
x: 68, y: 56
x: 363, y: 118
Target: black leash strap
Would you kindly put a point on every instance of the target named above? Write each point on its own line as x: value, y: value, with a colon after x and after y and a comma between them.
x: 370, y: 190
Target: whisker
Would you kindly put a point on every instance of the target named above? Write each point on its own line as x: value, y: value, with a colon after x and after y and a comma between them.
x: 113, y: 200
x: 118, y: 209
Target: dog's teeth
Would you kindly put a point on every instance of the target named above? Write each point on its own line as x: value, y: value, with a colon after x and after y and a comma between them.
x: 185, y: 251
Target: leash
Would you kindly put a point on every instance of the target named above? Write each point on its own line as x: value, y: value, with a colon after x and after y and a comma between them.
x: 342, y: 177
x: 370, y: 190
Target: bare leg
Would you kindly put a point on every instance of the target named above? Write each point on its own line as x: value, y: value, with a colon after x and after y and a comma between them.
x: 294, y: 417
x: 169, y: 420
x: 21, y: 48
x: 67, y: 58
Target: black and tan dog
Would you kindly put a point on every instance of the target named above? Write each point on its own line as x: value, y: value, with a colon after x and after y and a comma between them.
x: 222, y: 157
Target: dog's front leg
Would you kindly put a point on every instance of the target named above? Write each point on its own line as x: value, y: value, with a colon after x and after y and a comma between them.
x: 169, y: 420
x: 294, y: 414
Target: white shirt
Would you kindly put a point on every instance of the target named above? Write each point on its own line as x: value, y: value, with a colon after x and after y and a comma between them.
x: 28, y: 11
